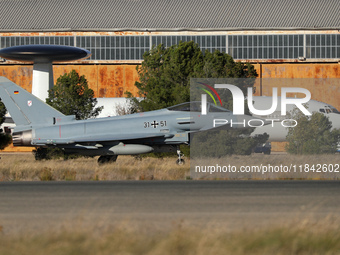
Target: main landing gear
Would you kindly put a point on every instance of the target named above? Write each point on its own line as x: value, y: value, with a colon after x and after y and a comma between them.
x: 180, y: 161
x: 107, y: 159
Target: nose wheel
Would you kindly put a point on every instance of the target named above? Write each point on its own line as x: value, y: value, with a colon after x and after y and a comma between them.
x: 180, y: 161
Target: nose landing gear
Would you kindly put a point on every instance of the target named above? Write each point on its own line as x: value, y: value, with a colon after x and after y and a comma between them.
x: 180, y: 161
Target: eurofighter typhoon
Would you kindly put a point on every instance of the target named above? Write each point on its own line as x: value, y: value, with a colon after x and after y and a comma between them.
x: 38, y: 124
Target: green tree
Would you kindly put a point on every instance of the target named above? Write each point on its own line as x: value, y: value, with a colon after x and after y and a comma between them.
x: 224, y: 142
x: 164, y: 75
x: 72, y: 96
x: 2, y: 112
x: 312, y: 135
x: 5, y: 139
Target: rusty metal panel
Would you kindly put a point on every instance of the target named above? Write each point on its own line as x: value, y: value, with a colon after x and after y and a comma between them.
x: 300, y: 71
x: 132, y: 77
x: 105, y: 80
x: 257, y: 85
x: 115, y: 80
x: 21, y: 75
x: 111, y: 81
x: 324, y: 90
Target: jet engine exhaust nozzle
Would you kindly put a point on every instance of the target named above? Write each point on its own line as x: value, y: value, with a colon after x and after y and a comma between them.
x: 23, y: 138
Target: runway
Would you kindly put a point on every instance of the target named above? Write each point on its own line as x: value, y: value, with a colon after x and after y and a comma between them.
x: 35, y: 206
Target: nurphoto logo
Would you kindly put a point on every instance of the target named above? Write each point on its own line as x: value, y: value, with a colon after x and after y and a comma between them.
x: 239, y: 98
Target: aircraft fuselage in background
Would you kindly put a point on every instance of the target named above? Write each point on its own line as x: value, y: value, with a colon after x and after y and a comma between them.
x: 277, y: 132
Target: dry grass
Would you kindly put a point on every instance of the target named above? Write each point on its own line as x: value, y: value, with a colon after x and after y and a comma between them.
x: 303, y: 237
x: 23, y: 167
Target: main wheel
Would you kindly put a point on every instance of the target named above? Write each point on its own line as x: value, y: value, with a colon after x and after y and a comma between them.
x: 267, y: 152
x: 180, y: 162
x: 107, y: 159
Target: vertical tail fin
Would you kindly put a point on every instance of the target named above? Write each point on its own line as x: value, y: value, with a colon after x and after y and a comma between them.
x: 24, y: 108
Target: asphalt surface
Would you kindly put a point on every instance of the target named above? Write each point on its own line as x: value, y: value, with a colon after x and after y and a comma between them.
x: 35, y: 206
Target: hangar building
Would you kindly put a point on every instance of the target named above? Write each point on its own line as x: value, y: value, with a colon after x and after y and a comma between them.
x: 283, y: 39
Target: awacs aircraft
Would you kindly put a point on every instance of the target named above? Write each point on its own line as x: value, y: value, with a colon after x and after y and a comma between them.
x: 277, y: 132
x: 38, y: 124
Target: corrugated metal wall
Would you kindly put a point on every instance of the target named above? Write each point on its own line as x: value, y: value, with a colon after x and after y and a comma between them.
x: 105, y: 80
x: 114, y: 80
x: 323, y: 90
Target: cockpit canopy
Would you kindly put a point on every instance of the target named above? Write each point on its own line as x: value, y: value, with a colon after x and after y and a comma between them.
x: 196, y: 107
x: 329, y: 109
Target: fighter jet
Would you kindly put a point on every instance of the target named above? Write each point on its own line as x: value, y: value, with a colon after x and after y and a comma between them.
x: 38, y: 124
